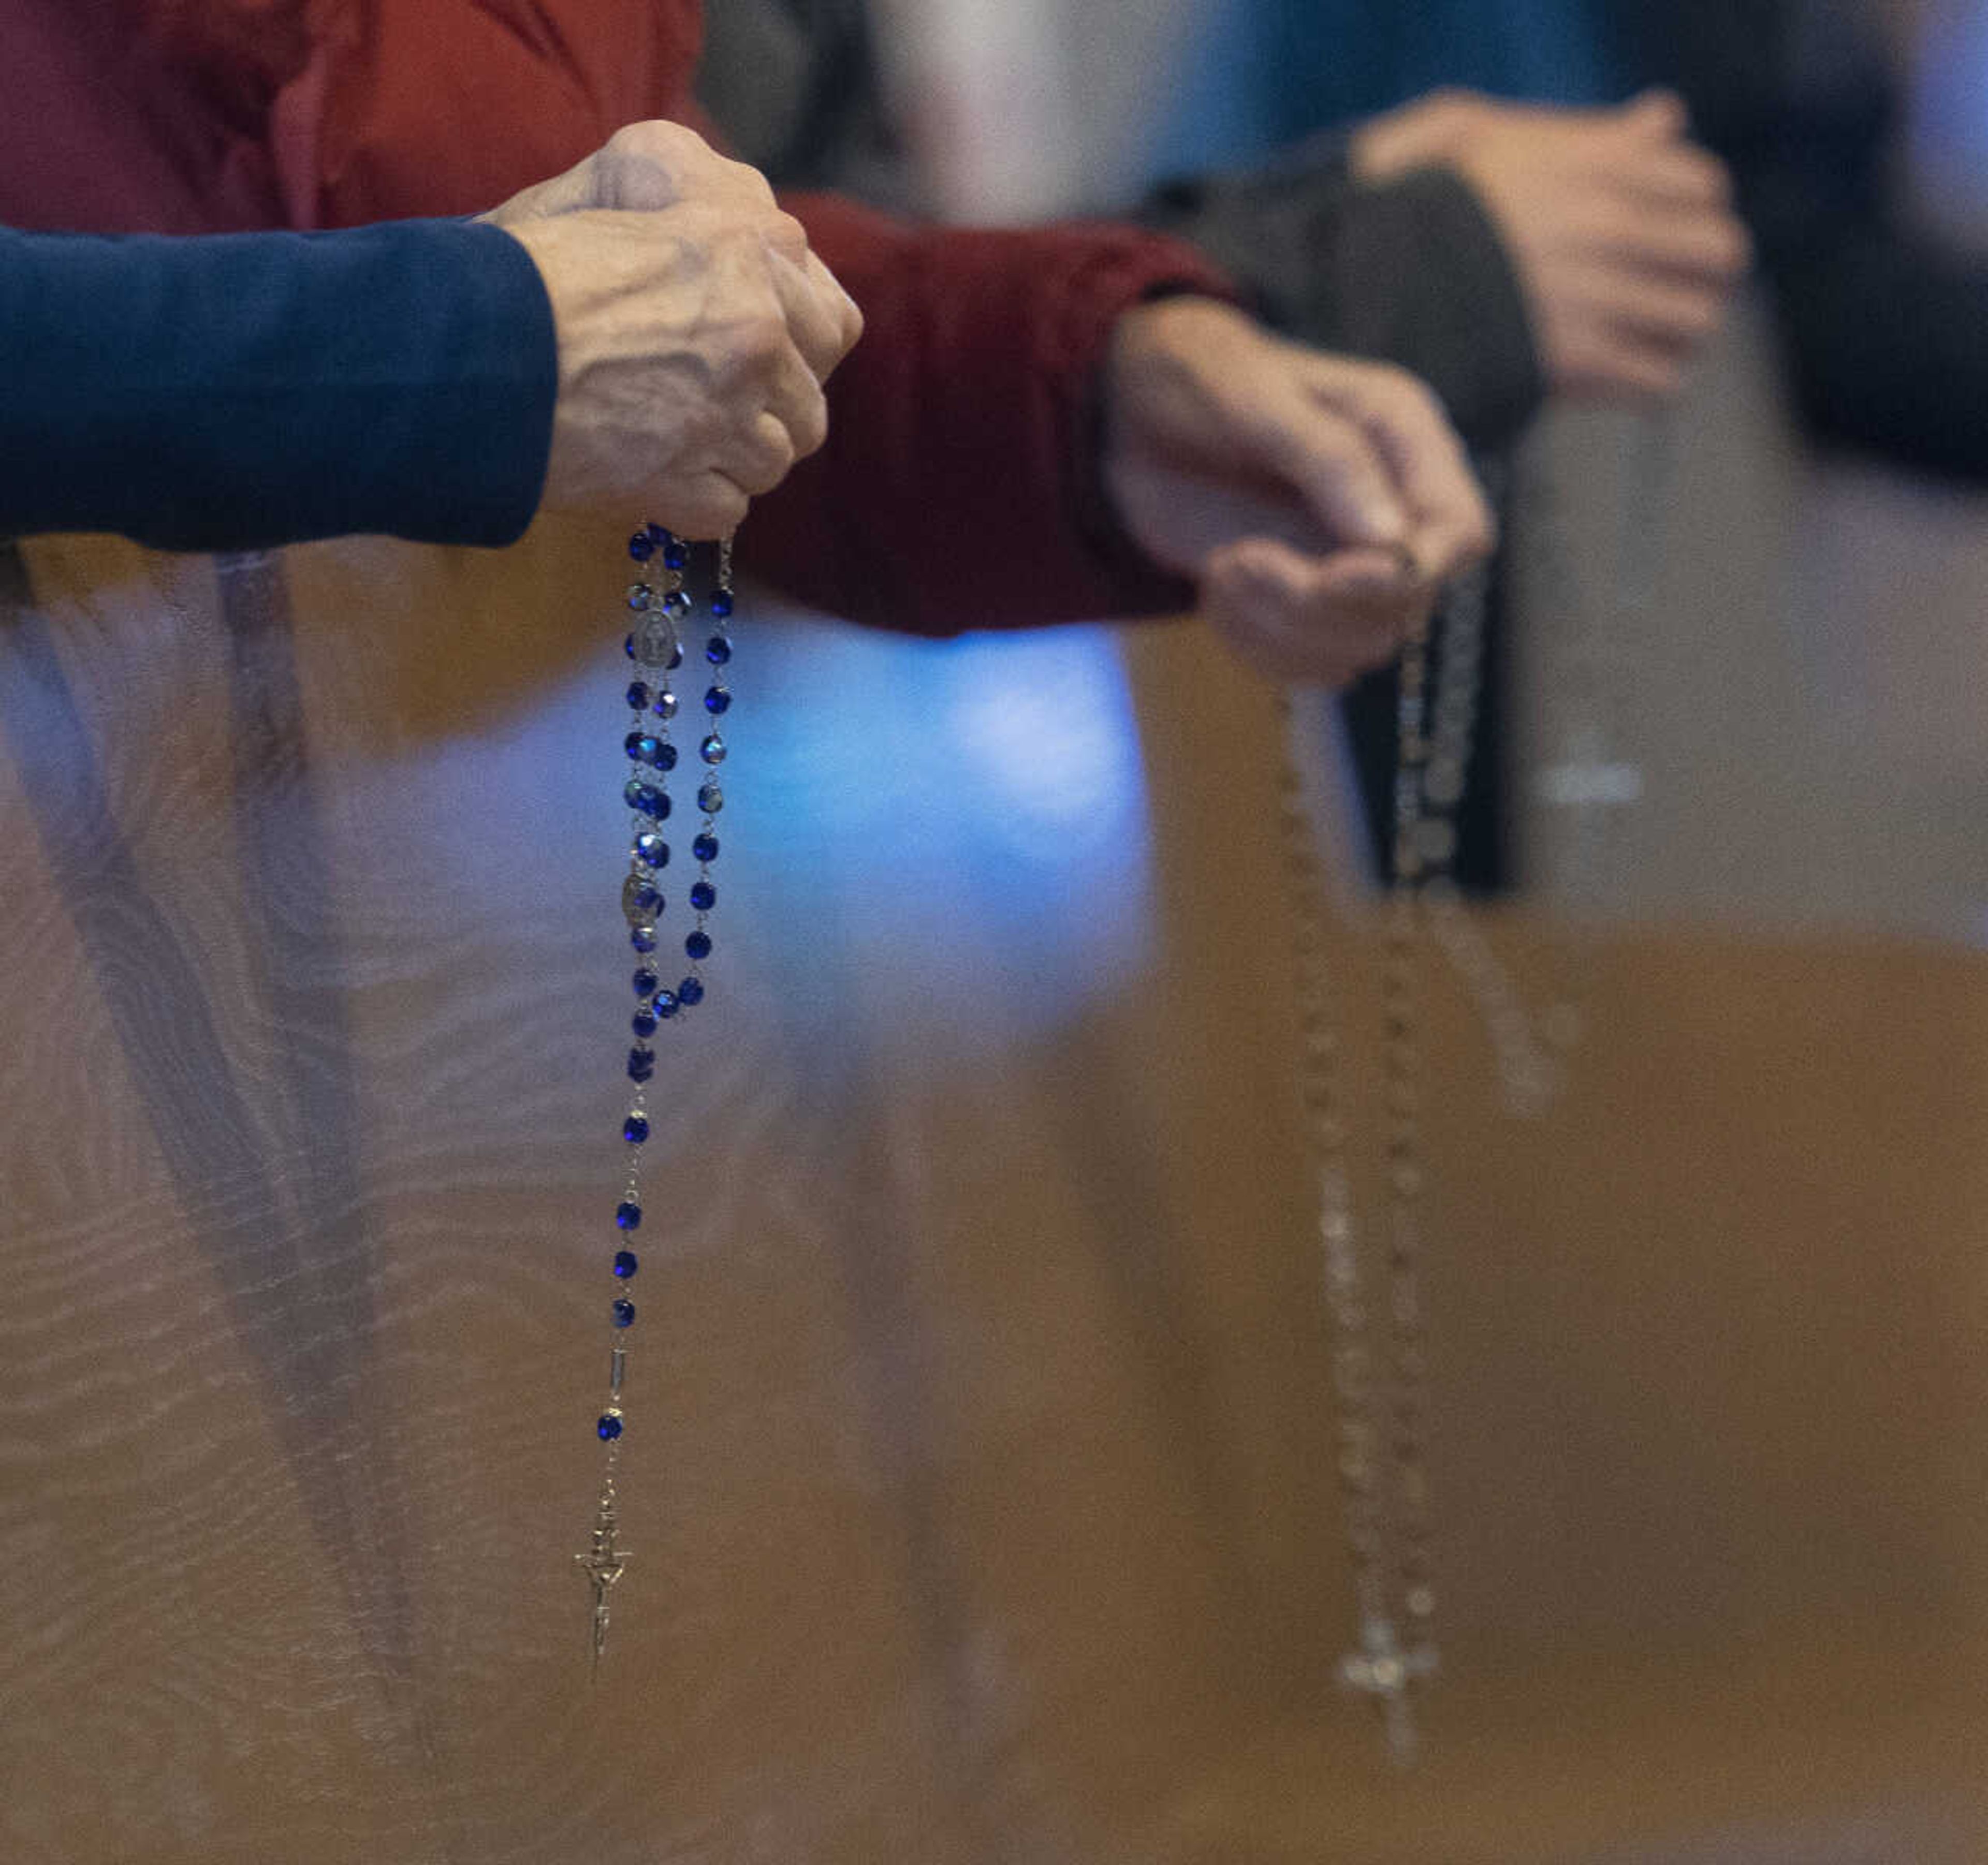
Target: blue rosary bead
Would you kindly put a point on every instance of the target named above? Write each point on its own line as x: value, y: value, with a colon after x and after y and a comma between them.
x: 712, y: 750
x: 646, y: 799
x: 624, y: 1311
x: 610, y: 1427
x: 675, y: 659
x: 666, y: 757
x: 704, y: 896
x: 650, y: 850
x: 676, y: 603
x: 705, y: 847
x: 675, y: 555
x: 635, y: 1129
x: 643, y: 939
x: 628, y: 1216
x: 626, y: 1264
x: 641, y: 546
x: 640, y: 901
x: 644, y: 1022
x: 640, y: 595
x: 690, y: 990
x: 717, y: 701
x: 666, y: 1004
x: 718, y: 649
x: 710, y: 799
x: 721, y: 603
x: 659, y: 535
x: 665, y: 707
x: 642, y: 747
x: 698, y: 946
x: 638, y: 695
x: 646, y: 981
x: 642, y: 1062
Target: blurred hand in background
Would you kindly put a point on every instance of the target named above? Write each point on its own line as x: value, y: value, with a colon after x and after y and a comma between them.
x: 1621, y: 228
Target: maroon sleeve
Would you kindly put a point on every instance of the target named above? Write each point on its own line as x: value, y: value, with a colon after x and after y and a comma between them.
x: 959, y: 486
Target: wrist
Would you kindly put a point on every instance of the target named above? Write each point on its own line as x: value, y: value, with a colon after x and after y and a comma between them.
x: 1148, y: 343
x: 1139, y: 370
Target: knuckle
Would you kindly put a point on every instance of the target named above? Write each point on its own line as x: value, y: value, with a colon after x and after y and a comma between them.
x: 775, y: 466
x: 764, y: 341
x: 1407, y: 392
x: 749, y: 179
x: 808, y: 428
x: 786, y: 234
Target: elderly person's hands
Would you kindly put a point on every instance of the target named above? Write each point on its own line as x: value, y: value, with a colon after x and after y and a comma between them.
x: 1620, y: 227
x: 695, y: 329
x: 1319, y: 503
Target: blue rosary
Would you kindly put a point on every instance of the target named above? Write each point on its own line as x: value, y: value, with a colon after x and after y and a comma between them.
x: 662, y: 606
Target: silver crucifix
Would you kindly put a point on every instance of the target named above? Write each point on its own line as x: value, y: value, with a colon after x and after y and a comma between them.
x: 1382, y: 1670
x: 602, y: 1564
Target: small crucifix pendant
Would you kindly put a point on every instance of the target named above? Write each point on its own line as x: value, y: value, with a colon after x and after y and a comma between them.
x: 602, y: 1564
x: 1381, y: 1670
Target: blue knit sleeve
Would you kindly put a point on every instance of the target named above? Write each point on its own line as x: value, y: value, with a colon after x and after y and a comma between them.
x: 246, y: 390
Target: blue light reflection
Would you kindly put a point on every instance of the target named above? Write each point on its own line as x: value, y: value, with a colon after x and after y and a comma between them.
x: 946, y: 840
x: 970, y: 814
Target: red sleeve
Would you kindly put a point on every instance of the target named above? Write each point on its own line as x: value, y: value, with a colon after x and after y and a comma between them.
x: 424, y: 107
x: 959, y: 486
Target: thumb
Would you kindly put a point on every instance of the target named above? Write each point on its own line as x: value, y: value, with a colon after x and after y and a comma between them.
x: 571, y: 193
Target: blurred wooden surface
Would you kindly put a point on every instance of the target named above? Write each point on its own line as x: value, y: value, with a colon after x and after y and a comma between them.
x: 980, y: 1461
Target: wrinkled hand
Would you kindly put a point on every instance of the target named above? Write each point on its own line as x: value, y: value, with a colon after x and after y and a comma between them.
x: 1621, y: 228
x: 1319, y: 502
x: 695, y: 330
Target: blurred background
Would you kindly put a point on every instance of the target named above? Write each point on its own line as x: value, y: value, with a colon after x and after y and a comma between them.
x: 1830, y: 775
x: 985, y: 1508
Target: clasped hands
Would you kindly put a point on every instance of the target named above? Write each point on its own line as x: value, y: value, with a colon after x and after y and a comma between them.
x: 695, y: 329
x: 1619, y: 228
x: 1318, y: 504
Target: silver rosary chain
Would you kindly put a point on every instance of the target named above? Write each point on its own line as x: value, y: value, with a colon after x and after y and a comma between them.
x: 1386, y: 1502
x: 1384, y: 1491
